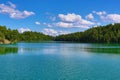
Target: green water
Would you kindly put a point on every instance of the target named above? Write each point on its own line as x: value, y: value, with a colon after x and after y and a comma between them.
x: 59, y: 61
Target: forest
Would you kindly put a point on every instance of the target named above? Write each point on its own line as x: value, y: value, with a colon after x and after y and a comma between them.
x: 14, y: 36
x: 101, y: 34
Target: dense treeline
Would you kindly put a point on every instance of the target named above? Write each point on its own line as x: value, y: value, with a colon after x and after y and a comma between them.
x: 15, y: 36
x: 101, y: 34
x: 34, y: 36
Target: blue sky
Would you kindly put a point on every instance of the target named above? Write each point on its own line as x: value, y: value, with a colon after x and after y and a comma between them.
x: 56, y: 17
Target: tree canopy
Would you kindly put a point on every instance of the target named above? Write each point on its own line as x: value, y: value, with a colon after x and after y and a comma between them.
x: 101, y: 34
x: 15, y: 36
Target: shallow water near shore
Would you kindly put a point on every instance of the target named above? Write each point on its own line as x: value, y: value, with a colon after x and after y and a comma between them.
x: 59, y: 61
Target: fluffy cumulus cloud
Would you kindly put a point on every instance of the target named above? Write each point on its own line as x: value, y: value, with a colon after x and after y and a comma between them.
x: 63, y: 24
x: 72, y: 20
x: 13, y: 12
x: 111, y: 18
x: 21, y: 30
x: 90, y: 16
x: 37, y: 23
x: 71, y: 17
x: 53, y: 32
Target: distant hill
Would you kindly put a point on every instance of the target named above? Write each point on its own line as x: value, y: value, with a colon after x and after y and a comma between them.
x: 101, y: 34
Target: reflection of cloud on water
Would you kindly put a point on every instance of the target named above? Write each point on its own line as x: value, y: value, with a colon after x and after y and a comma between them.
x: 50, y: 51
x: 38, y: 50
x: 23, y: 50
x: 71, y: 50
x: 64, y: 49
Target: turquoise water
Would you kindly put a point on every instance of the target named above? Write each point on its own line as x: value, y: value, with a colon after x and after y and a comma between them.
x: 59, y: 61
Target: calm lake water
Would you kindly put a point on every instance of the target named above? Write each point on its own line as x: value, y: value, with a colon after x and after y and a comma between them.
x: 59, y: 61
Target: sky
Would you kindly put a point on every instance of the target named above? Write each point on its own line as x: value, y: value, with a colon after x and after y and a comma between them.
x: 56, y: 17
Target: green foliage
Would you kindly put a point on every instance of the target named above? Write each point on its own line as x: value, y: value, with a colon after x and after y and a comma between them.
x: 101, y: 34
x: 70, y: 37
x: 34, y: 36
x: 15, y: 36
x: 2, y: 35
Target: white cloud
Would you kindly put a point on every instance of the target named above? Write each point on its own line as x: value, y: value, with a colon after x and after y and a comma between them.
x: 73, y: 20
x: 100, y: 13
x: 97, y: 24
x: 53, y: 32
x: 12, y: 5
x: 63, y: 24
x: 53, y: 18
x: 50, y: 32
x: 90, y: 16
x: 47, y: 24
x: 13, y: 12
x: 44, y: 23
x: 37, y: 23
x: 111, y: 18
x: 21, y: 30
x: 72, y: 25
x: 70, y: 17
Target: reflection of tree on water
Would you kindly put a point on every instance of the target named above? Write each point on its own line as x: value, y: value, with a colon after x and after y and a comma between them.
x: 104, y: 50
x: 8, y: 50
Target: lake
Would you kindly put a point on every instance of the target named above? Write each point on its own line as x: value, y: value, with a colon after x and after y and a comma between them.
x: 59, y: 61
